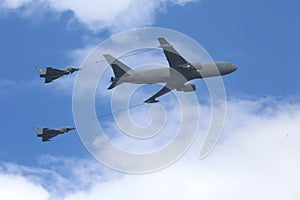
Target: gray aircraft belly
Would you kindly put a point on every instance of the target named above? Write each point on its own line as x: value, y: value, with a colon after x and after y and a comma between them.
x: 159, y: 75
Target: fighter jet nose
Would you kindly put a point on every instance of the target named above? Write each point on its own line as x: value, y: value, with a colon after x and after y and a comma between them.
x: 234, y: 68
x: 69, y: 128
x: 74, y: 70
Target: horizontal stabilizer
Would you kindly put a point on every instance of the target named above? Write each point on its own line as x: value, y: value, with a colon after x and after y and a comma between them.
x: 119, y: 68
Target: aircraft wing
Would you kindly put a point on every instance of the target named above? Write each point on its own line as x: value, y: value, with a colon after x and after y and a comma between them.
x: 167, y: 88
x: 49, y: 79
x: 52, y: 74
x: 48, y: 134
x: 174, y: 58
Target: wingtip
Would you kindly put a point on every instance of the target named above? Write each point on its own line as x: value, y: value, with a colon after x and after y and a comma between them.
x: 112, y: 85
x: 151, y: 101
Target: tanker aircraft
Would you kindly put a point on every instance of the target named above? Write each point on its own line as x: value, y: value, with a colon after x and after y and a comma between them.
x: 176, y: 76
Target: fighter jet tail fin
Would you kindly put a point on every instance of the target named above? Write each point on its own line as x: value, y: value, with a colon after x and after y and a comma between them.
x: 40, y: 70
x: 38, y: 131
x: 119, y: 68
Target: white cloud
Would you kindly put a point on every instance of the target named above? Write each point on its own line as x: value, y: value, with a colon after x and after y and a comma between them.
x: 54, y: 176
x: 257, y: 158
x: 116, y: 15
x: 15, y: 187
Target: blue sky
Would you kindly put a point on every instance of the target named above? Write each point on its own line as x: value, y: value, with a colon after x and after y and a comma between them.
x: 260, y: 37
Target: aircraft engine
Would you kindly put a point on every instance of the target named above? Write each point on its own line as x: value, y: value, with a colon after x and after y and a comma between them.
x: 187, y: 88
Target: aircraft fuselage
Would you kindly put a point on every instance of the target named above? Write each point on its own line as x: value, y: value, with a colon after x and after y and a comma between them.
x: 168, y: 75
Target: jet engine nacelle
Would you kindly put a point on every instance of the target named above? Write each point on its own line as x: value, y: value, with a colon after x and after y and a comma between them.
x: 187, y: 88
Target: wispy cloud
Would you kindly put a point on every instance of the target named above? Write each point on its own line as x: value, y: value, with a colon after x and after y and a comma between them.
x: 257, y: 158
x: 115, y: 15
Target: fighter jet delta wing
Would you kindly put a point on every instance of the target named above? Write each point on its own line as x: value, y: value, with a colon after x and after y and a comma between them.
x: 48, y: 134
x: 52, y: 74
x: 49, y: 79
x: 175, y: 60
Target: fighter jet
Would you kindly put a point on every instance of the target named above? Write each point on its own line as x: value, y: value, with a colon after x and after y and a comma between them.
x: 51, y: 73
x: 46, y: 134
x: 179, y: 72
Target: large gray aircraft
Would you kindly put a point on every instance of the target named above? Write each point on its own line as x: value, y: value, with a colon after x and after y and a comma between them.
x: 46, y: 134
x: 179, y: 72
x: 50, y: 74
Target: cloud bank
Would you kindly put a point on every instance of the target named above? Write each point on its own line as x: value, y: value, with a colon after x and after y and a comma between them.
x: 97, y: 15
x: 257, y: 158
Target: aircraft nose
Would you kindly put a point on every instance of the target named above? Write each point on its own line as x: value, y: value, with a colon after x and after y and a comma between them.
x: 234, y: 68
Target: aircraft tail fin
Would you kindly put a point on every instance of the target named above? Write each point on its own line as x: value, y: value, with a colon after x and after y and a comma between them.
x: 38, y: 131
x: 40, y: 70
x: 119, y: 68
